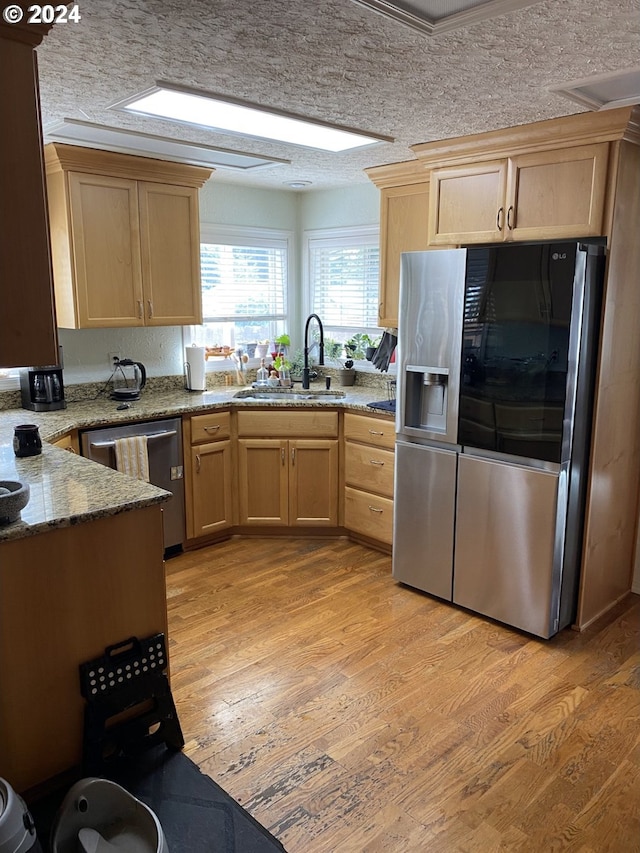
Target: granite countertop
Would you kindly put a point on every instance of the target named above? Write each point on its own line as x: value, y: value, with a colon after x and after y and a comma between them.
x: 67, y: 489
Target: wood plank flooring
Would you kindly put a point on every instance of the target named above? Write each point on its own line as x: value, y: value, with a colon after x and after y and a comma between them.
x: 347, y: 713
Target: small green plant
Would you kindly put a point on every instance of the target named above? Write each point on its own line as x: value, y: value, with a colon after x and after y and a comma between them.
x: 357, y: 345
x: 283, y: 340
x: 332, y: 348
x: 297, y: 363
x: 280, y: 361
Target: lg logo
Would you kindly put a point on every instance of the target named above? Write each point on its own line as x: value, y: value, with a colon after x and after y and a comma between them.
x: 559, y: 256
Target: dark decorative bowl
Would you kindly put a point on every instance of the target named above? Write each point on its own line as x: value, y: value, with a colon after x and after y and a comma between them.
x: 14, y: 496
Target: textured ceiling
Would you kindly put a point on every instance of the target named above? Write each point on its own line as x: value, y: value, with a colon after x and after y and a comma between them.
x: 332, y: 60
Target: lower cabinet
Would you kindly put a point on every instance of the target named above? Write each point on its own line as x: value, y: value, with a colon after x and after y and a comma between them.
x: 69, y: 442
x: 284, y: 480
x: 369, y: 472
x: 208, y: 473
x: 284, y: 468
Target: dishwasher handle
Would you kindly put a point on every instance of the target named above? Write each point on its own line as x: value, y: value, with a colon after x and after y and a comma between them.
x: 152, y: 437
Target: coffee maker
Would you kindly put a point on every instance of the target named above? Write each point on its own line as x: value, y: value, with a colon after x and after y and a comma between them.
x: 42, y: 388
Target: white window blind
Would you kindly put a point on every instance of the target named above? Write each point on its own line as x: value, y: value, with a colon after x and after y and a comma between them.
x: 344, y: 268
x: 244, y: 285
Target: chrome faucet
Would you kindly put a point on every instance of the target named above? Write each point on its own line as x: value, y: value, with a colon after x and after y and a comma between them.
x: 305, y: 369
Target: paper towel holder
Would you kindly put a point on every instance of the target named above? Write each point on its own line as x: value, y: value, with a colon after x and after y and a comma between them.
x: 197, y: 382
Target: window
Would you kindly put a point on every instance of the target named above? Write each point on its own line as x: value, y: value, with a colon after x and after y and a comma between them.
x: 342, y: 280
x: 244, y: 286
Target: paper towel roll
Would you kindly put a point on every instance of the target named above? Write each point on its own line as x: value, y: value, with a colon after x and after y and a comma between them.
x: 194, y: 368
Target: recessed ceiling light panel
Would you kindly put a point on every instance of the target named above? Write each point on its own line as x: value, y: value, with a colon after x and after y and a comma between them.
x: 107, y: 138
x: 605, y: 91
x: 433, y: 17
x: 239, y: 117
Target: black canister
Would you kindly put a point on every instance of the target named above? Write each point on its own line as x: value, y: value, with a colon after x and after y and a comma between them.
x: 26, y: 440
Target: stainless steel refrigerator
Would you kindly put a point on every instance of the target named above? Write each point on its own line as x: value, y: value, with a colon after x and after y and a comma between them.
x: 497, y: 353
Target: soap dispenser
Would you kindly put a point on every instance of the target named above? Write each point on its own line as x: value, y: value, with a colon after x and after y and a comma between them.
x: 262, y: 374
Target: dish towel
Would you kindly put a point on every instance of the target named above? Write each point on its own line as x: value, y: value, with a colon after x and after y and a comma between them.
x: 132, y: 457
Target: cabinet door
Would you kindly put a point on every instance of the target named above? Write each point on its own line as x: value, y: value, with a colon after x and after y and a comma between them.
x: 313, y: 482
x: 263, y: 487
x: 404, y: 212
x: 557, y: 194
x: 367, y: 514
x: 170, y: 247
x: 211, y: 487
x: 369, y: 468
x: 28, y: 333
x: 467, y: 204
x: 105, y: 251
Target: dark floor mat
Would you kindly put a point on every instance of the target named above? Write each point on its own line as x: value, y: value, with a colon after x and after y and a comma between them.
x: 384, y: 405
x: 195, y: 813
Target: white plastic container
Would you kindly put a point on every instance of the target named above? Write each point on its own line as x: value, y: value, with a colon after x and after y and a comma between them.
x: 17, y: 830
x: 99, y: 814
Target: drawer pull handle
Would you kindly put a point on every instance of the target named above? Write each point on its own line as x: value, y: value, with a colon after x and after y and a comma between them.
x: 197, y: 463
x: 293, y: 456
x: 140, y: 309
x: 150, y: 304
x: 282, y: 455
x: 376, y: 462
x: 212, y: 428
x: 375, y: 432
x: 375, y: 509
x: 510, y: 220
x: 499, y: 218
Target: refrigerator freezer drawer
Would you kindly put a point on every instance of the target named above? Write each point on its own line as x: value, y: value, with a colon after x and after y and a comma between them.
x: 424, y: 513
x: 506, y: 521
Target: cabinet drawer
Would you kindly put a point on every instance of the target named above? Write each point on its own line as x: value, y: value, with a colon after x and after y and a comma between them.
x: 369, y: 468
x: 369, y: 515
x: 210, y: 427
x: 288, y: 422
x: 375, y: 431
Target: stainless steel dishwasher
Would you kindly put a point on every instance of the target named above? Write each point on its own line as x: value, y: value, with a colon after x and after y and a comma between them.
x: 164, y: 448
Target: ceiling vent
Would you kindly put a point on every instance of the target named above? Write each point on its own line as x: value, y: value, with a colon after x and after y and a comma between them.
x: 605, y: 92
x: 439, y: 16
x: 100, y: 136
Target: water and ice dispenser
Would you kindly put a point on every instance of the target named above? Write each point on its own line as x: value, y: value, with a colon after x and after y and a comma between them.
x: 426, y: 398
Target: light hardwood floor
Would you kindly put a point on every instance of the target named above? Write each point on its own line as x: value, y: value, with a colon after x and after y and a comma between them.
x: 347, y: 713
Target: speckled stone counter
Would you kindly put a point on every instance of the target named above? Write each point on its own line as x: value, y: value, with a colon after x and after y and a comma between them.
x: 67, y: 489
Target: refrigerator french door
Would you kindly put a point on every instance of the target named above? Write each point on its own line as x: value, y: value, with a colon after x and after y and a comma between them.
x: 497, y: 351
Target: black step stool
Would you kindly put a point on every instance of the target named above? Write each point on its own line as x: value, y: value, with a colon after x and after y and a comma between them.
x: 129, y: 703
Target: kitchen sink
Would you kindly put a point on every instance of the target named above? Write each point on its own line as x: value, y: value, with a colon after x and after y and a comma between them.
x: 288, y: 394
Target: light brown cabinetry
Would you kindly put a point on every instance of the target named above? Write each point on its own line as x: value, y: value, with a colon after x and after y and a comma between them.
x: 68, y: 442
x: 403, y: 228
x: 288, y: 468
x: 208, y: 473
x: 125, y: 239
x: 28, y: 332
x: 404, y: 211
x: 368, y: 474
x: 65, y: 596
x: 543, y: 195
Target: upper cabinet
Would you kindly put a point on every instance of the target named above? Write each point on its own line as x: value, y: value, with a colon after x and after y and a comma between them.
x: 404, y: 211
x: 538, y: 196
x: 28, y: 334
x: 125, y: 239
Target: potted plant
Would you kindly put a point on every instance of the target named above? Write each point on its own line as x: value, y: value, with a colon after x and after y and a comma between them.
x: 361, y: 346
x: 282, y: 342
x: 346, y: 373
x: 371, y: 345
